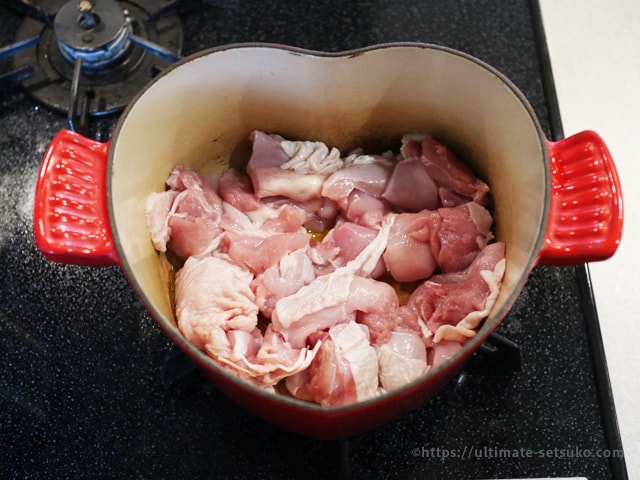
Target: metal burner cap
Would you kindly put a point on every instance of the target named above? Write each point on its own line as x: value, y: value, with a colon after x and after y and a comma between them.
x: 87, y: 25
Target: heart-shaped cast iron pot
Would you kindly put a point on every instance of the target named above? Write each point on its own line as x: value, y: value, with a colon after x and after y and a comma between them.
x: 555, y: 203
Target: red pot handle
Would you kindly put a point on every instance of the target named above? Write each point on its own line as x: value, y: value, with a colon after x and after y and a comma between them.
x: 71, y: 220
x: 585, y: 219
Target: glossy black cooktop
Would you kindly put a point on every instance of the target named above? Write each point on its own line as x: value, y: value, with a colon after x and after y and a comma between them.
x: 91, y: 388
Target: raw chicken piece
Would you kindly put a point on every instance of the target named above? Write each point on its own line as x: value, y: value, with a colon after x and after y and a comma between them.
x: 270, y: 182
x: 236, y: 189
x: 365, y: 297
x: 181, y: 178
x: 368, y: 178
x: 448, y: 238
x: 232, y: 348
x: 365, y: 209
x: 212, y: 292
x: 284, y: 218
x: 321, y: 214
x: 452, y: 305
x: 343, y: 243
x: 158, y: 209
x: 266, y: 151
x: 192, y: 220
x: 369, y: 296
x: 344, y: 370
x: 315, y: 215
x: 277, y: 359
x: 263, y: 361
x: 458, y: 234
x: 456, y: 183
x: 401, y: 360
x: 288, y: 218
x: 259, y: 252
x: 293, y: 271
x: 408, y: 256
x: 278, y: 216
x: 410, y: 187
x: 269, y: 179
x: 325, y: 301
x: 217, y: 313
x: 300, y: 333
x: 442, y: 351
x: 389, y: 318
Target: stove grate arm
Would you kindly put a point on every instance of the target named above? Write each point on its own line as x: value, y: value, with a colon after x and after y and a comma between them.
x: 34, y: 11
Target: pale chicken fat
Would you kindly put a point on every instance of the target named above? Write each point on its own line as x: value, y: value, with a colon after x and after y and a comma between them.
x: 213, y: 292
x: 353, y: 341
x: 158, y: 209
x: 310, y: 157
x: 274, y: 361
x: 401, y: 360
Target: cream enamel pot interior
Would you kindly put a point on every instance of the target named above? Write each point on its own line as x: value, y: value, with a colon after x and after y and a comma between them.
x: 554, y: 202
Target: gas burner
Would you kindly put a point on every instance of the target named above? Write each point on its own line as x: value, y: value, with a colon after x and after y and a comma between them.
x: 91, y: 57
x: 96, y: 34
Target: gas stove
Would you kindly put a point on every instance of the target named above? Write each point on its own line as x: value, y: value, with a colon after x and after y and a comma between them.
x: 90, y: 57
x: 91, y: 387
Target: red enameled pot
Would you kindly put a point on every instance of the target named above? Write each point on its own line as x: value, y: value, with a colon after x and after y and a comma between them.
x: 556, y: 203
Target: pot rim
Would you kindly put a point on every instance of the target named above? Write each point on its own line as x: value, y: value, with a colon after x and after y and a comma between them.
x: 470, y: 346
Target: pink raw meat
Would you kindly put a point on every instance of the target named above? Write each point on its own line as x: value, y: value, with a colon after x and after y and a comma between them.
x: 192, y: 210
x: 270, y: 180
x: 298, y: 244
x: 408, y: 256
x: 456, y: 183
x: 342, y: 244
x: 345, y: 369
x: 458, y: 234
x: 410, y: 187
x: 259, y: 252
x: 368, y: 178
x: 457, y: 302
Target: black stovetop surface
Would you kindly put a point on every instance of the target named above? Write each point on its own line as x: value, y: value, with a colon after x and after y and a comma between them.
x: 91, y: 388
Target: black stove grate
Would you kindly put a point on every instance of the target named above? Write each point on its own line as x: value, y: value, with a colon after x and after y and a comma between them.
x: 89, y: 57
